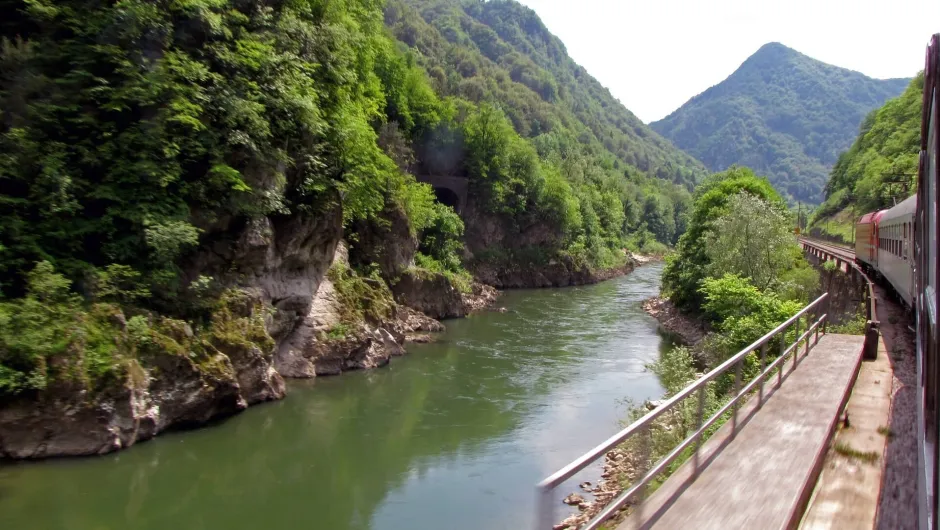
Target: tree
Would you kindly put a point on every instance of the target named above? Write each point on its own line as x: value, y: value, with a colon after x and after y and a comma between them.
x: 753, y: 240
x: 688, y: 267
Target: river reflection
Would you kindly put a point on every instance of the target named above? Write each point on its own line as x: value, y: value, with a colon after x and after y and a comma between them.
x: 455, y: 435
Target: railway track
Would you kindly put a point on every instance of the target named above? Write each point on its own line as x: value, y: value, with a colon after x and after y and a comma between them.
x: 845, y: 253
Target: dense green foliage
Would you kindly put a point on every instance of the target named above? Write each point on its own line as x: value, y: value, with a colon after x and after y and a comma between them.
x: 880, y: 168
x: 738, y: 264
x: 536, y: 134
x: 132, y: 132
x: 754, y: 239
x: 692, y: 263
x: 131, y: 129
x: 135, y: 135
x: 500, y: 51
x: 782, y: 113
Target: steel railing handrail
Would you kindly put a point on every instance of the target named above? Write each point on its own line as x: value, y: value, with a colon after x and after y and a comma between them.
x: 545, y: 518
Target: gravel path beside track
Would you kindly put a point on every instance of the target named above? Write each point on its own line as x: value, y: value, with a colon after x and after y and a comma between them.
x: 898, y: 506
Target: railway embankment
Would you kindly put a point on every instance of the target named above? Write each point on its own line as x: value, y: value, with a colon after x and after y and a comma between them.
x: 846, y: 289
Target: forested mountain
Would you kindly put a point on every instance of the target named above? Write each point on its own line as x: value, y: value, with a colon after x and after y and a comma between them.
x: 879, y: 170
x: 181, y: 183
x: 784, y: 114
x: 499, y: 51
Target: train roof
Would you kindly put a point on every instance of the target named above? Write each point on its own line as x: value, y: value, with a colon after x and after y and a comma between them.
x: 905, y: 207
x: 872, y: 217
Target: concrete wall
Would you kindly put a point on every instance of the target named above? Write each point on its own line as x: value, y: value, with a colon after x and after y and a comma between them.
x: 846, y: 288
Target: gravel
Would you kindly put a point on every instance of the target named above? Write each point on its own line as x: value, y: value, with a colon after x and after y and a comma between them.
x: 898, y: 507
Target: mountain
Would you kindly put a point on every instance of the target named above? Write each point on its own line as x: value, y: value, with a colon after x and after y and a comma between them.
x: 180, y: 179
x: 786, y: 115
x: 501, y: 51
x: 879, y: 170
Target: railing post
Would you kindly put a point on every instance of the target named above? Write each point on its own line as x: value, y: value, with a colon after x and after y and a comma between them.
x: 642, y: 468
x: 737, y: 389
x: 783, y: 348
x: 796, y: 342
x: 808, y: 324
x: 818, y: 325
x: 760, y: 386
x: 546, y: 514
x: 701, y: 420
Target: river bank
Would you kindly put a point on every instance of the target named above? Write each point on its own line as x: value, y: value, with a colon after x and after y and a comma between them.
x: 689, y: 329
x: 351, y: 324
x: 499, y: 401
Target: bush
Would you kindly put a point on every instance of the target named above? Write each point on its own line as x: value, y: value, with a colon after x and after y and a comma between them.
x: 742, y: 312
x: 441, y: 238
x: 48, y: 335
x: 459, y: 278
x: 362, y: 298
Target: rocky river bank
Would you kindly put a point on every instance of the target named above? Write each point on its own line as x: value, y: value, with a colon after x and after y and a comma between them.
x: 287, y: 322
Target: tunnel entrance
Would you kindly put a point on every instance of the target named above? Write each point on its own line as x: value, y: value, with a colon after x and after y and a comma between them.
x: 448, y: 197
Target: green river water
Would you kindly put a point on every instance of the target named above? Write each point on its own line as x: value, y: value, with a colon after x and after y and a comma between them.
x: 452, y: 436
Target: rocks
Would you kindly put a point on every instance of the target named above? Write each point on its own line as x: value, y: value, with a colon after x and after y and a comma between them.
x: 180, y: 378
x: 652, y: 404
x: 430, y: 293
x: 386, y: 241
x: 689, y: 329
x: 435, y: 296
x: 363, y: 348
x: 481, y: 297
x: 508, y: 273
x: 63, y: 422
x: 573, y: 499
x: 411, y: 321
x: 586, y: 486
x: 294, y: 353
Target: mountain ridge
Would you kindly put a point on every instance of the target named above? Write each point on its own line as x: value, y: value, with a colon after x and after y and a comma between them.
x: 500, y: 50
x: 781, y: 112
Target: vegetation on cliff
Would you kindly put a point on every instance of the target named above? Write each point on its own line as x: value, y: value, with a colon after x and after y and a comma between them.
x: 603, y: 169
x: 879, y: 169
x: 143, y: 142
x: 784, y: 114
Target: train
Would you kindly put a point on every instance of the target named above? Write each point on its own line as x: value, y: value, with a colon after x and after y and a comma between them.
x: 925, y: 289
x: 884, y: 247
x: 900, y: 245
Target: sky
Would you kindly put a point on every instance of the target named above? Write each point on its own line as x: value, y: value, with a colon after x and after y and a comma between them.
x: 654, y: 55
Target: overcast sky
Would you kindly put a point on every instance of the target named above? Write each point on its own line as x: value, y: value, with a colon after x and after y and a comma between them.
x: 654, y: 55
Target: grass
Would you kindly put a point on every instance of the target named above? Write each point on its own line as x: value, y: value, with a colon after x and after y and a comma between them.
x: 839, y: 227
x: 886, y: 432
x: 856, y: 326
x: 848, y: 451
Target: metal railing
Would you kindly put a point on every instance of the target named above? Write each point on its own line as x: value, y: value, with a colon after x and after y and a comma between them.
x: 545, y: 516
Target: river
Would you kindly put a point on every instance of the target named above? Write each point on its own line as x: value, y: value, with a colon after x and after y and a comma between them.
x: 454, y: 435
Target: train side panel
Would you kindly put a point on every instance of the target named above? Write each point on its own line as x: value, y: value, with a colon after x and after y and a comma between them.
x: 895, y: 257
x: 926, y: 259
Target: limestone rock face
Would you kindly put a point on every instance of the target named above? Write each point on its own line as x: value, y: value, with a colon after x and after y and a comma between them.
x: 386, y: 241
x: 367, y: 347
x: 174, y: 392
x: 430, y: 293
x: 276, y: 326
